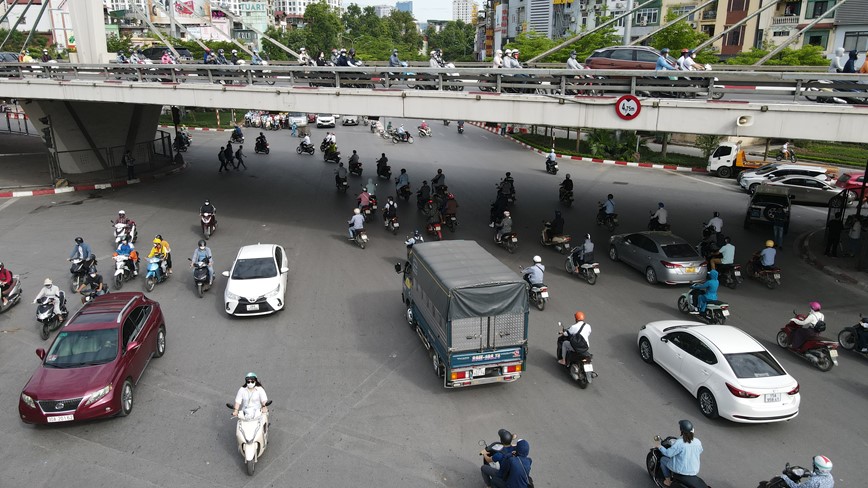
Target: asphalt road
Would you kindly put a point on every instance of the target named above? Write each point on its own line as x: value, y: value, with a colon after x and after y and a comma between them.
x: 355, y: 400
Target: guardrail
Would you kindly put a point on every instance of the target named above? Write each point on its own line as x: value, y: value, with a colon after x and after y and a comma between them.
x: 562, y: 83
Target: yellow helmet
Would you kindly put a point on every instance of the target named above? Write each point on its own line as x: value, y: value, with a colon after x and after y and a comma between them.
x: 770, y: 243
x: 157, y: 241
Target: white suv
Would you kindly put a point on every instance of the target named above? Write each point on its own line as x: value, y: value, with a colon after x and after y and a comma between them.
x: 751, y: 181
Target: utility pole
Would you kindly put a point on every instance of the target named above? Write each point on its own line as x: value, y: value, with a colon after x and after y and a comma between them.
x: 628, y: 24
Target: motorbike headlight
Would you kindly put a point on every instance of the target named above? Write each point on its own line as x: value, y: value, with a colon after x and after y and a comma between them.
x: 97, y: 395
x: 231, y: 296
x: 28, y: 400
x: 273, y: 293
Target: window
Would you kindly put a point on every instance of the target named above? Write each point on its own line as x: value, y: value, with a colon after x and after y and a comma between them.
x: 817, y: 38
x: 683, y: 10
x: 782, y: 33
x: 737, y: 5
x: 679, y: 251
x: 759, y: 364
x: 817, y: 8
x: 624, y: 54
x: 646, y: 16
x: 278, y: 256
x: 735, y: 37
x: 646, y: 56
x: 643, y: 243
x: 134, y: 323
x: 856, y: 40
x: 703, y: 352
x: 722, y: 151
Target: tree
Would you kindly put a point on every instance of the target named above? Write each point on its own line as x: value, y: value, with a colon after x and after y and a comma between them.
x: 294, y: 39
x: 531, y: 44
x: 804, y: 56
x: 620, y: 145
x: 455, y: 39
x: 323, y: 26
x: 16, y: 41
x: 681, y: 35
x: 708, y: 143
x: 114, y: 43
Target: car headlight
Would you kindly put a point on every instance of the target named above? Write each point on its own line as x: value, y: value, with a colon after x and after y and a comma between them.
x: 28, y: 400
x: 231, y: 296
x: 273, y: 293
x: 97, y: 395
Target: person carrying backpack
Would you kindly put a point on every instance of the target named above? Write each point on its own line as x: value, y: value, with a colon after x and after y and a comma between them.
x: 575, y: 339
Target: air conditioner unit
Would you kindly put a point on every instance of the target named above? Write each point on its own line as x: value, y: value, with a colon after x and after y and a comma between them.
x: 692, y: 25
x: 619, y: 5
x: 643, y: 21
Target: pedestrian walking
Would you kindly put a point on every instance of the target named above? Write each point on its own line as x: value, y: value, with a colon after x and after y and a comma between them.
x: 221, y: 156
x: 779, y: 222
x: 229, y: 155
x: 239, y: 156
x: 130, y: 163
x: 294, y: 129
x: 503, y: 129
x: 833, y: 235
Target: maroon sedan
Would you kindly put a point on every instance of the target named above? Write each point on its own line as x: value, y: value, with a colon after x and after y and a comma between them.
x: 96, y: 360
x: 852, y: 181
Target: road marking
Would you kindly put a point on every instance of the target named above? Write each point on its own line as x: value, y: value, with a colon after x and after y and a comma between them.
x: 703, y: 180
x: 7, y: 203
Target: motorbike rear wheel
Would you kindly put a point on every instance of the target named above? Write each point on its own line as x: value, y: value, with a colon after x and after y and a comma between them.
x: 771, y: 283
x: 847, y: 339
x: 540, y: 303
x: 578, y: 373
x: 591, y: 277
x: 76, y: 282
x: 825, y: 363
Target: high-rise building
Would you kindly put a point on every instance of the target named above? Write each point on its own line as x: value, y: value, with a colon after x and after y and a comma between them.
x: 383, y: 10
x: 404, y: 6
x: 295, y: 8
x: 462, y: 10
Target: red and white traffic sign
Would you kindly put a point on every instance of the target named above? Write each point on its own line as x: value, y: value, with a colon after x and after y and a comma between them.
x: 628, y: 107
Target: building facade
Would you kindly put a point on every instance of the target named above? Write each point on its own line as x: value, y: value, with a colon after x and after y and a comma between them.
x: 404, y: 6
x: 463, y: 10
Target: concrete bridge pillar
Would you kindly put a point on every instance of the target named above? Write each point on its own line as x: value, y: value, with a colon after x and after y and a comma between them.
x: 88, y: 26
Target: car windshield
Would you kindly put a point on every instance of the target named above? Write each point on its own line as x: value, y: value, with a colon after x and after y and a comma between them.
x: 679, y: 251
x: 252, y: 269
x: 83, y: 348
x: 758, y: 364
x: 767, y: 169
x: 325, y: 116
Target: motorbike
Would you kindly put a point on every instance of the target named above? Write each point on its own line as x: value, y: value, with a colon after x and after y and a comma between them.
x: 342, y: 185
x: 566, y: 197
x: 461, y: 128
x: 384, y: 172
x: 508, y: 241
x: 860, y: 96
x: 849, y: 337
x: 579, y: 366
x: 491, y: 449
x: 208, y: 224
x: 538, y: 294
x: 181, y: 144
x: 654, y: 224
x: 446, y: 123
x: 46, y: 316
x: 369, y: 210
x: 406, y: 137
x: 716, y: 311
x: 361, y: 238
x: 252, y: 437
x: 426, y: 132
x: 14, y: 294
x: 794, y: 473
x: 200, y: 276
x: 819, y: 351
x: 307, y: 149
x: 561, y: 242
x: 88, y: 294
x: 587, y: 270
x: 652, y: 464
x: 355, y: 169
x: 451, y: 221
x: 334, y: 157
x: 610, y: 221
x: 156, y: 274
x: 122, y: 230
x: 404, y: 192
x: 123, y: 270
x: 730, y: 275
x: 236, y: 138
x: 771, y: 277
x: 551, y: 166
x: 262, y: 147
x: 79, y: 269
x: 434, y: 229
x: 510, y: 198
x: 789, y: 154
x: 393, y: 225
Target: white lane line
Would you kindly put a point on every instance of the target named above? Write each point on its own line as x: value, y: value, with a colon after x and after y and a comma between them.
x: 7, y: 203
x: 704, y: 180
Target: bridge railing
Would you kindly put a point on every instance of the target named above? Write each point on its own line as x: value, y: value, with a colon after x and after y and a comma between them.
x: 797, y: 86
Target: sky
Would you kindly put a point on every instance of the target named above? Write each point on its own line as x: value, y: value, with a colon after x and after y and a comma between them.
x: 423, y: 10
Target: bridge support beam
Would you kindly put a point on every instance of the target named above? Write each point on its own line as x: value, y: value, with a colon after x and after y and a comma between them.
x: 92, y: 136
x: 89, y: 28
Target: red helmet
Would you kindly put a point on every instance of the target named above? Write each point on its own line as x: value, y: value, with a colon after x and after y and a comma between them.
x: 580, y: 316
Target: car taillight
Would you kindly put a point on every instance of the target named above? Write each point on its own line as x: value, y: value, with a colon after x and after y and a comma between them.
x: 670, y: 265
x: 741, y: 393
x: 794, y: 391
x: 459, y: 375
x: 516, y: 368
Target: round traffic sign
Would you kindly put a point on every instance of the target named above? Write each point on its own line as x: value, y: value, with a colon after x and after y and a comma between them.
x: 628, y: 107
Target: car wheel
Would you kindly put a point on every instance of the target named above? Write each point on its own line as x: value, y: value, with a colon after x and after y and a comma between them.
x: 683, y: 306
x: 645, y: 351
x: 707, y: 404
x: 724, y: 172
x: 126, y: 399
x: 847, y: 339
x: 752, y: 188
x: 650, y: 275
x: 613, y: 253
x: 161, y: 343
x: 782, y: 339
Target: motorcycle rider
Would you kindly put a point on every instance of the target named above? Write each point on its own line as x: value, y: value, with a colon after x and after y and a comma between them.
x: 680, y: 61
x: 505, y: 226
x: 356, y: 222
x: 351, y: 60
x: 423, y: 126
x: 221, y: 57
x: 507, y: 186
x: 716, y: 223
x: 261, y: 142
x: 167, y: 250
x: 401, y: 133
x: 51, y: 290
x: 121, y: 58
x: 785, y: 150
x: 371, y: 187
x: 390, y: 209
x: 658, y: 218
x: 305, y: 143
x: 423, y: 195
x: 166, y: 58
x: 340, y: 174
x: 126, y: 248
x: 565, y: 187
x: 157, y: 251
x: 236, y: 133
x: 575, y: 339
x: 208, y: 208
x: 412, y: 240
x: 303, y: 58
x: 353, y: 161
x: 382, y: 165
x: 439, y: 180
x: 394, y: 62
x: 573, y: 63
x: 534, y: 274
x: 551, y: 159
x: 766, y: 257
x: 507, y: 59
x: 342, y: 58
x: 81, y: 250
x: 607, y: 209
x: 683, y: 456
x: 451, y: 206
x: 808, y: 326
x: 662, y: 62
x: 202, y: 253
x: 431, y: 212
x: 433, y: 62
x: 557, y: 226
x: 515, y: 62
x: 364, y: 198
x: 256, y: 59
x: 709, y: 292
x: 129, y: 223
x: 94, y: 282
x: 6, y: 278
x: 727, y: 256
x: 821, y: 477
x: 334, y: 57
x: 251, y: 398
x: 837, y: 62
x: 234, y: 58
x: 497, y: 62
x: 401, y: 181
x: 584, y: 253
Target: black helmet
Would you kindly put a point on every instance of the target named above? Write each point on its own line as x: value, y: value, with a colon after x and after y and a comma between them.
x: 394, y: 51
x: 685, y: 426
x: 717, y: 214
x: 352, y: 52
x: 505, y: 437
x: 92, y: 270
x: 79, y: 240
x: 158, y: 236
x: 508, y: 174
x: 201, y: 242
x: 557, y: 213
x: 610, y: 196
x: 207, y: 202
x: 573, y: 52
x: 568, y: 176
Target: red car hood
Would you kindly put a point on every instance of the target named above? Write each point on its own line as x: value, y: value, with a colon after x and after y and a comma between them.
x: 49, y: 383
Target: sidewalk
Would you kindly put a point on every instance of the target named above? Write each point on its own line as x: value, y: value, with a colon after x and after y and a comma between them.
x: 843, y: 269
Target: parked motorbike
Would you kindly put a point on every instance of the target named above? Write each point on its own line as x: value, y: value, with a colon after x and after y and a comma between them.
x: 79, y: 269
x: 13, y: 296
x: 406, y: 137
x: 508, y: 241
x: 384, y: 172
x: 610, y: 221
x: 819, y: 351
x: 587, y: 270
x: 652, y: 464
x: 123, y: 270
x: 208, y: 224
x: 426, y: 132
x: 307, y: 149
x: 771, y: 277
x: 262, y: 147
x: 122, y: 230
x: 156, y: 274
x: 252, y: 437
x: 361, y: 238
x: 580, y: 366
x: 716, y: 311
x: 730, y: 275
x: 794, y: 473
x: 849, y: 337
x: 200, y: 276
x: 236, y: 138
x: 46, y: 316
x: 355, y: 169
x: 551, y: 166
x: 561, y: 242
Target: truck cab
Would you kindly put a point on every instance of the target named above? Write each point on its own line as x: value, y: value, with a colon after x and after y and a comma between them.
x: 729, y: 159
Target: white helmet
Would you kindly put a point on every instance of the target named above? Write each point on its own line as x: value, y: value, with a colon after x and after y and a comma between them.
x: 508, y: 52
x: 822, y: 463
x: 506, y: 213
x: 234, y: 51
x: 357, y: 211
x: 498, y: 52
x: 48, y: 282
x: 537, y: 259
x: 433, y: 53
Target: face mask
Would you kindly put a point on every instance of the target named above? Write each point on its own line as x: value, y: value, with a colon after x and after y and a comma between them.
x: 251, y: 385
x: 201, y: 248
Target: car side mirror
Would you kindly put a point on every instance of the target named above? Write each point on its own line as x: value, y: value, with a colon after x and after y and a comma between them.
x: 41, y: 353
x: 132, y: 346
x: 282, y: 270
x: 398, y: 268
x: 663, y: 339
x: 225, y: 273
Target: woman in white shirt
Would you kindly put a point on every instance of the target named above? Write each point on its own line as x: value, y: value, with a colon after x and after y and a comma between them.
x: 251, y: 398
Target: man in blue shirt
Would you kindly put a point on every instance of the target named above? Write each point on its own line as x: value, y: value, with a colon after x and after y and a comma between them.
x: 201, y: 254
x: 609, y: 205
x: 662, y: 62
x: 682, y: 457
x: 767, y: 255
x: 534, y: 274
x: 710, y: 291
x: 81, y: 250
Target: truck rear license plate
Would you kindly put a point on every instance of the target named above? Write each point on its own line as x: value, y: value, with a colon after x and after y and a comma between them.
x: 478, y: 372
x: 59, y: 418
x: 772, y: 397
x: 253, y: 308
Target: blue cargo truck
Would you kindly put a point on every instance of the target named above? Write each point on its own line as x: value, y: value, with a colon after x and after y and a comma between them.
x: 470, y: 311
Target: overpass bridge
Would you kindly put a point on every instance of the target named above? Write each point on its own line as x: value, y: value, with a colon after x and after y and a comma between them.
x: 120, y: 104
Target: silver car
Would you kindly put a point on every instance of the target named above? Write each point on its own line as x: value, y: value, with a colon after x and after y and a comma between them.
x: 662, y: 256
x: 806, y: 190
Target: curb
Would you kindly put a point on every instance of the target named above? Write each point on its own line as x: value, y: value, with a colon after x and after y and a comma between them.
x: 669, y: 167
x: 204, y: 129
x: 833, y: 271
x: 91, y: 187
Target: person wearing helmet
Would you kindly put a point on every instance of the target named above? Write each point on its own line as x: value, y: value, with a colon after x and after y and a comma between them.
x: 207, y: 56
x: 682, y: 457
x: 121, y: 58
x: 438, y: 181
x: 394, y: 61
x: 811, y: 325
x: 343, y: 60
x: 551, y: 159
x: 356, y: 223
x: 434, y: 61
x: 507, y: 186
x: 679, y: 63
x: 45, y: 56
x: 158, y: 251
x: 497, y: 61
x: 93, y: 282
x: 584, y: 253
x: 50, y: 290
x: 821, y: 477
x: 251, y: 399
x: 423, y: 194
x: 608, y: 207
x: 707, y: 291
x: 221, y: 57
x: 203, y: 253
x: 81, y: 250
x: 565, y: 187
x: 167, y: 250
x: 129, y: 223
x: 659, y: 218
x: 572, y: 62
x: 256, y: 59
x: 535, y: 273
x: 334, y: 56
x: 557, y: 226
x: 515, y: 62
x: 351, y: 59
x: 364, y: 198
x: 134, y: 57
x: 303, y: 57
x: 766, y: 257
x: 402, y: 180
x: 208, y: 208
x: 505, y: 226
x: 126, y: 248
x: 233, y: 59
x: 6, y: 278
x: 716, y: 222
x: 450, y: 208
x: 689, y: 61
x: 662, y: 61
x: 423, y: 126
x: 575, y: 339
x: 390, y: 209
x: 431, y: 213
x: 492, y: 459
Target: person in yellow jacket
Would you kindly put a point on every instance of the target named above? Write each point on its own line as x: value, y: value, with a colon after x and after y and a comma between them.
x: 158, y: 252
x: 162, y: 250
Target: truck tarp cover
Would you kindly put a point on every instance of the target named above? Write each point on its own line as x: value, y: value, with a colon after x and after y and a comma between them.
x: 472, y: 281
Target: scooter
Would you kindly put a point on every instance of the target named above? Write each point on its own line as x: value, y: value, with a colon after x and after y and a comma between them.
x: 538, y: 294
x: 334, y: 157
x: 716, y: 311
x: 156, y: 273
x: 342, y: 185
x: 405, y: 138
x: 849, y: 337
x: 79, y: 269
x: 236, y: 138
x: 123, y: 272
x: 404, y: 192
x: 508, y: 241
x: 561, y: 242
x: 262, y: 148
x: 566, y: 197
x: 200, y: 276
x: 433, y: 228
x: 208, y: 224
x: 788, y: 154
x: 309, y: 149
x: 393, y: 225
x: 384, y: 172
x: 14, y: 294
x: 730, y: 275
x: 426, y: 132
x: 451, y: 221
x: 490, y: 450
x: 252, y: 437
x: 652, y: 464
x: 610, y: 221
x: 551, y: 166
x: 794, y: 473
x: 818, y: 350
x: 654, y: 224
x: 46, y: 316
x: 88, y: 294
x: 121, y: 230
x: 771, y: 277
x: 579, y: 366
x: 461, y: 128
x: 355, y: 169
x: 361, y: 238
x: 589, y: 270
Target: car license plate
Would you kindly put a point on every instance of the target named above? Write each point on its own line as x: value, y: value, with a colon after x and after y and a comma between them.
x: 544, y: 294
x: 833, y: 353
x: 588, y: 367
x: 726, y: 313
x: 478, y: 372
x: 253, y: 308
x: 59, y: 418
x: 690, y: 270
x: 777, y: 276
x: 772, y: 397
x: 597, y: 270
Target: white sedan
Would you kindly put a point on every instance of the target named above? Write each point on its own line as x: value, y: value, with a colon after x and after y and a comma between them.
x: 730, y: 374
x: 257, y: 281
x: 325, y: 120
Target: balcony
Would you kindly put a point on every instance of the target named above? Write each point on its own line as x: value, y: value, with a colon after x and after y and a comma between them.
x: 785, y: 21
x: 709, y: 15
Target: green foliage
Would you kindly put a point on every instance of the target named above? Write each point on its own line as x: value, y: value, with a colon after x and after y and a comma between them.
x: 455, y: 39
x: 618, y: 145
x: 680, y: 36
x: 294, y: 39
x: 708, y: 143
x: 114, y: 43
x: 804, y: 56
x: 16, y: 40
x: 531, y: 44
x: 323, y: 27
x: 197, y: 51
